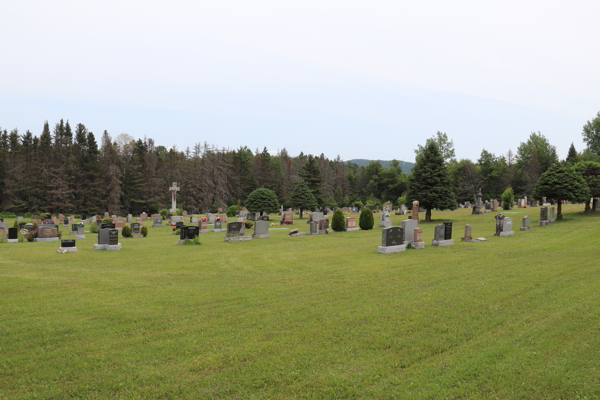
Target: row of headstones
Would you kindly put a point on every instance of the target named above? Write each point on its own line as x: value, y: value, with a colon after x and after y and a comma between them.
x: 235, y: 231
x: 395, y: 239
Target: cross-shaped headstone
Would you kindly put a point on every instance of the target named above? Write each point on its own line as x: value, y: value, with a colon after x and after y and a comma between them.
x: 174, y: 189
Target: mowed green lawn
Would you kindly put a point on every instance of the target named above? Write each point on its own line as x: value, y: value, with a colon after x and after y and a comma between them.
x: 317, y: 317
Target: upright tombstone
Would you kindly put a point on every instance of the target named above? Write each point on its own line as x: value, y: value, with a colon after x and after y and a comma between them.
x: 194, y: 220
x: 211, y: 218
x: 503, y: 226
x: 288, y: 218
x: 175, y: 219
x: 251, y: 216
x: 408, y: 226
x: 544, y: 216
x: 129, y: 218
x: 106, y: 215
x: 67, y: 246
x: 415, y: 210
x: 314, y: 228
x: 120, y: 223
x: 13, y: 235
x: 315, y: 216
x: 136, y: 230
x: 108, y: 239
x: 174, y: 189
x: 468, y: 234
x: 106, y: 225
x: 392, y: 240
x: 157, y: 221
x: 417, y: 241
x: 443, y: 235
x: 203, y: 225
x: 66, y: 222
x: 74, y: 229
x: 494, y: 205
x: 46, y: 233
x: 351, y: 224
x: 526, y: 223
x: 80, y: 233
x: 478, y: 203
x: 552, y: 214
x: 235, y: 232
x: 217, y: 227
x: 261, y: 230
x: 188, y: 233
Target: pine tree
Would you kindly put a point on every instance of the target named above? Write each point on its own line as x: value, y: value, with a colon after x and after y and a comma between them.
x: 562, y: 182
x: 430, y: 183
x: 303, y: 198
x: 572, y: 156
x: 311, y: 174
x: 112, y: 175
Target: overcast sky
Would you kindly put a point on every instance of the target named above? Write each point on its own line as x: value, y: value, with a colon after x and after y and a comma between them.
x: 359, y: 79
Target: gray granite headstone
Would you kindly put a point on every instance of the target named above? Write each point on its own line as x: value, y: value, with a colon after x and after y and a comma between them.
x: 261, y: 229
x: 440, y: 232
x: 409, y: 226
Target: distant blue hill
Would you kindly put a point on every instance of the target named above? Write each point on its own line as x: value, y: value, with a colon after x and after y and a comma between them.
x: 406, y: 166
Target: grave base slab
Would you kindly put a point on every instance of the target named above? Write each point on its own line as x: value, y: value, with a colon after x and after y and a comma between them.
x: 525, y: 228
x: 203, y: 230
x: 237, y: 238
x: 12, y: 240
x: 417, y: 245
x: 218, y: 230
x: 469, y: 239
x: 45, y: 239
x: 79, y: 236
x: 391, y: 249
x: 505, y: 234
x: 67, y: 250
x: 261, y: 236
x: 449, y: 242
x: 137, y: 235
x: 107, y: 246
x: 351, y: 229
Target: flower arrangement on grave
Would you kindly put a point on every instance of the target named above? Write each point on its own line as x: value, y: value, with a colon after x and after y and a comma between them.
x: 174, y: 229
x: 29, y: 235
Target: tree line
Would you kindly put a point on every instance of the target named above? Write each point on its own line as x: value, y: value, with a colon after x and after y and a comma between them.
x: 68, y: 171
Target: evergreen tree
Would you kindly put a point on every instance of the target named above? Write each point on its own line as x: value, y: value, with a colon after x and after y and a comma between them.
x: 112, y: 175
x: 262, y: 200
x: 562, y: 182
x: 430, y: 183
x: 590, y: 171
x: 311, y: 174
x: 337, y: 221
x: 572, y: 156
x: 302, y: 197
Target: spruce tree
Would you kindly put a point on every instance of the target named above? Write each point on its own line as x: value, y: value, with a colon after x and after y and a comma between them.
x: 430, y: 183
x: 572, y: 156
x: 311, y: 174
x: 302, y: 197
x: 562, y: 182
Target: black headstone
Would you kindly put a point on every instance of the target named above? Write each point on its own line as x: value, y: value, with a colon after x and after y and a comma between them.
x: 107, y: 226
x: 66, y: 221
x: 264, y: 218
x: 13, y: 233
x: 392, y: 236
x: 448, y: 230
x: 235, y: 228
x: 192, y: 232
x: 135, y: 227
x: 67, y: 243
x: 182, y: 232
x: 113, y: 237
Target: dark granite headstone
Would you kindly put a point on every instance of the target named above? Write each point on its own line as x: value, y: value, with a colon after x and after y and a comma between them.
x: 46, y: 231
x: 392, y: 236
x: 314, y: 227
x: 67, y: 243
x: 13, y: 233
x: 107, y: 226
x: 264, y: 218
x: 235, y: 228
x: 251, y: 216
x: 447, y: 230
x: 217, y: 224
x: 113, y: 237
x: 135, y: 227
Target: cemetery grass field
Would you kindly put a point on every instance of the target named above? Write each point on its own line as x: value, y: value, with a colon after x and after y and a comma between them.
x: 309, y: 317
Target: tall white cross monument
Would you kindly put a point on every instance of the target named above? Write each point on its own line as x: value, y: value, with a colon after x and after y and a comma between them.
x: 174, y: 189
